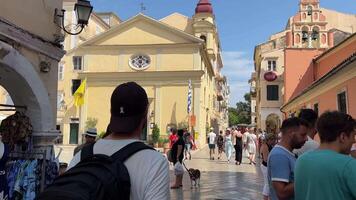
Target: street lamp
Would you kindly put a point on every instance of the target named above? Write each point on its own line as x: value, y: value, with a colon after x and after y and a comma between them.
x: 83, y: 10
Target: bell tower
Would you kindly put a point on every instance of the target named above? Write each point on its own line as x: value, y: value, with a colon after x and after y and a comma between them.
x: 205, y: 28
x: 309, y: 27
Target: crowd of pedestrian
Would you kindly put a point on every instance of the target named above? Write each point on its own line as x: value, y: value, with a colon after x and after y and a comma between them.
x: 300, y: 168
x: 241, y: 141
x: 294, y: 165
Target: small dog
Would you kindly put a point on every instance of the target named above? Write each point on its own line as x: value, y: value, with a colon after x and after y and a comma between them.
x: 194, y: 175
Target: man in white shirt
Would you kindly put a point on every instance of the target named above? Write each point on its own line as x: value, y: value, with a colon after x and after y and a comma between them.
x: 148, y: 169
x: 311, y: 117
x: 212, y: 137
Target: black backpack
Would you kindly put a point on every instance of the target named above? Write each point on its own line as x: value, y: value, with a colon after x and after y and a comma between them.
x: 95, y: 177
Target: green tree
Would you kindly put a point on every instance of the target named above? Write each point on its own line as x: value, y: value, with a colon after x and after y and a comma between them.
x: 242, y: 113
x: 233, y: 117
x: 155, y: 134
x: 91, y: 122
x: 183, y: 125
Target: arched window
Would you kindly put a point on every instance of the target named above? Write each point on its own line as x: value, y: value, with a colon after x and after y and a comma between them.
x: 203, y: 37
x: 310, y: 10
x: 305, y: 34
x: 315, y: 33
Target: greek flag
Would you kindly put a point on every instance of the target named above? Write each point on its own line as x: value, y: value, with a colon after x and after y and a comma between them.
x: 189, y: 108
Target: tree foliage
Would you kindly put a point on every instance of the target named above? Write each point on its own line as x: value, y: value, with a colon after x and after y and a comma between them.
x: 155, y: 134
x: 242, y: 113
x: 91, y: 122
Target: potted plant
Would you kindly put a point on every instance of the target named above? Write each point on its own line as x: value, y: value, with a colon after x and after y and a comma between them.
x: 155, y: 135
x: 166, y: 146
x: 161, y: 142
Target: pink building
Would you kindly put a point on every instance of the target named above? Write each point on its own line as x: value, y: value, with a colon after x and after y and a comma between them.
x: 325, y: 82
x: 284, y: 64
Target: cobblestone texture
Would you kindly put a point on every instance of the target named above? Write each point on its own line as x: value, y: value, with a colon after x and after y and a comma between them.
x: 220, y: 180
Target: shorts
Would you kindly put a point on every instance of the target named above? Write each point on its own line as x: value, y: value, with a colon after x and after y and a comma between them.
x: 211, y: 146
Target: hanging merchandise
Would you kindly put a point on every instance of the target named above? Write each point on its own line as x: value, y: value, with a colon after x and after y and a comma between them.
x: 4, y: 152
x: 16, y: 129
x: 25, y: 170
x: 29, y: 173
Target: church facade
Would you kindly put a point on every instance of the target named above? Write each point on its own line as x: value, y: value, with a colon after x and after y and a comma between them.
x: 163, y: 56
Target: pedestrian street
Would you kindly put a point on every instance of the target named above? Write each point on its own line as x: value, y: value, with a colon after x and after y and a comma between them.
x: 220, y: 180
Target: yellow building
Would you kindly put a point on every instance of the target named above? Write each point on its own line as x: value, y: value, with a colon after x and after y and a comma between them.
x: 161, y: 55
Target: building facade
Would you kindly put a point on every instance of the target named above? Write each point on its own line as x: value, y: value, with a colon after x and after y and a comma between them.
x: 163, y: 56
x: 30, y: 50
x: 331, y: 84
x: 310, y: 32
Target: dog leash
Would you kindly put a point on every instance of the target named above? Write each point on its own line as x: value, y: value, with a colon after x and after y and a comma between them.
x: 186, y: 169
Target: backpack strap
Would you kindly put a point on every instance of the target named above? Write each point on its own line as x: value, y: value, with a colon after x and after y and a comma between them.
x: 130, y: 149
x: 87, y: 151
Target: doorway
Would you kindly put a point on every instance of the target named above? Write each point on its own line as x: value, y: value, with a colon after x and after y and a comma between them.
x: 74, y: 131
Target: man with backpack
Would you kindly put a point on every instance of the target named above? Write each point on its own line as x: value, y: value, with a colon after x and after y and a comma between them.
x: 118, y: 166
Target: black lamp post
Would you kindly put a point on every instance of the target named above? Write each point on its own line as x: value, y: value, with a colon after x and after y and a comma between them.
x: 83, y: 10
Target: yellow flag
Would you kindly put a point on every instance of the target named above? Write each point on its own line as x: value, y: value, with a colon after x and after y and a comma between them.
x: 79, y: 94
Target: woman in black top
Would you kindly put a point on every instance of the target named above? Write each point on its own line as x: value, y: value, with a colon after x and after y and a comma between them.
x: 177, y: 156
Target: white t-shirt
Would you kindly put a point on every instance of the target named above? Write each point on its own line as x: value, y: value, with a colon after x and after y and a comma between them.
x: 148, y: 170
x: 309, y: 145
x: 353, y: 148
x: 212, y: 137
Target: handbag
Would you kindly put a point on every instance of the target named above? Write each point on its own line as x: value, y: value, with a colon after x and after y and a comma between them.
x: 178, y: 169
x: 169, y: 155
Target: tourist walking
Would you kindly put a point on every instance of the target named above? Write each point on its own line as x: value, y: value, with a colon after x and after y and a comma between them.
x: 212, y: 137
x: 177, y: 157
x: 238, y: 146
x: 310, y: 116
x: 329, y: 173
x: 244, y: 142
x: 251, y: 145
x: 172, y: 137
x: 188, y: 140
x: 90, y: 137
x: 220, y: 143
x: 281, y: 160
x: 142, y: 171
x: 268, y: 142
x: 228, y: 145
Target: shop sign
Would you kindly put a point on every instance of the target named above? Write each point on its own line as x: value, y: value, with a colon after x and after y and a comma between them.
x: 270, y: 76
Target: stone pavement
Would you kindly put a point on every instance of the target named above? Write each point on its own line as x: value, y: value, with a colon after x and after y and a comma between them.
x: 220, y: 180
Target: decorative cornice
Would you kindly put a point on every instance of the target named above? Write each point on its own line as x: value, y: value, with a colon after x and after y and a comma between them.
x: 138, y: 17
x: 19, y: 36
x: 153, y: 76
x: 134, y: 46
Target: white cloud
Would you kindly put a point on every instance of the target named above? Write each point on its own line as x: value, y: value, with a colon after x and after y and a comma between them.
x: 238, y: 68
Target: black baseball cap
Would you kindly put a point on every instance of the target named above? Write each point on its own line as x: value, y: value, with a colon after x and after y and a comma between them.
x: 128, y: 106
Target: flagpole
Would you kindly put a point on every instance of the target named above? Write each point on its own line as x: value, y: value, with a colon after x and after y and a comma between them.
x: 189, y: 106
x: 79, y: 101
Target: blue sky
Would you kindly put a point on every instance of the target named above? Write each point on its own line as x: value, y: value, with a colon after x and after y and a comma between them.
x: 242, y: 24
